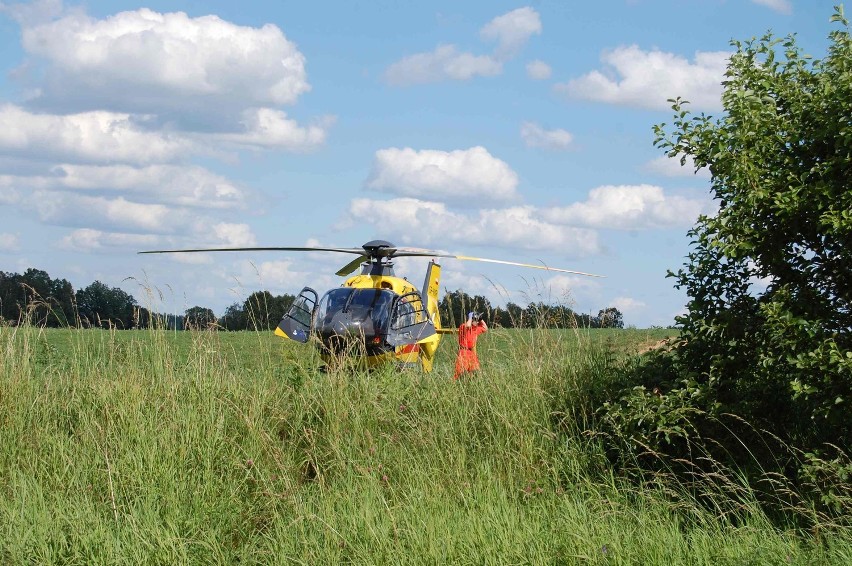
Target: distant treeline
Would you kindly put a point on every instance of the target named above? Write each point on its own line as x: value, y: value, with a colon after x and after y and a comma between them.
x: 40, y: 300
x: 36, y: 298
x: 456, y: 304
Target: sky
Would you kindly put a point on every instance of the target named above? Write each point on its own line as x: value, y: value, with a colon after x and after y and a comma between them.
x: 506, y: 130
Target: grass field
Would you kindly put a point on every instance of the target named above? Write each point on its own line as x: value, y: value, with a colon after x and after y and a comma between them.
x: 155, y: 447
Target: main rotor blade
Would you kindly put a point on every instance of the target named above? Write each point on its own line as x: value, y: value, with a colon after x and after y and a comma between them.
x: 416, y: 252
x: 545, y: 267
x: 351, y: 266
x: 359, y: 251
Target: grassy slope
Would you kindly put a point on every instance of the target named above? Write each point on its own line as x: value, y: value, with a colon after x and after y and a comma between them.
x: 202, y: 448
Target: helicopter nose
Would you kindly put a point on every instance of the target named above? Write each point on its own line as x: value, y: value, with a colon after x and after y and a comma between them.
x: 343, y: 324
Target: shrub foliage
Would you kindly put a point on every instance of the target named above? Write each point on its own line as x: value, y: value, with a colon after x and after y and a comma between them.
x: 767, y: 335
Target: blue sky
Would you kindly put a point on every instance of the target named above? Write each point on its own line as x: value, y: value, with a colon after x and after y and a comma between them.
x: 505, y: 130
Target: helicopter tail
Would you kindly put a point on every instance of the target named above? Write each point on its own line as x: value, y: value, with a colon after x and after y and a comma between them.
x: 431, y: 288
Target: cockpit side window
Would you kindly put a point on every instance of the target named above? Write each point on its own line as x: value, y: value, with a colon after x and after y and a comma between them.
x: 409, y: 311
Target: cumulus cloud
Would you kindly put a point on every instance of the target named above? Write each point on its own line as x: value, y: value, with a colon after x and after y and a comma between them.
x: 69, y: 209
x: 444, y: 63
x: 627, y: 305
x: 284, y: 275
x: 143, y: 57
x: 186, y: 186
x: 9, y: 242
x: 629, y: 207
x: 87, y: 240
x: 671, y: 167
x: 98, y: 136
x: 117, y: 205
x: 111, y: 137
x: 33, y: 12
x: 461, y: 175
x: 234, y: 235
x: 647, y: 79
x: 781, y: 6
x: 512, y: 30
x: 270, y: 128
x: 536, y: 136
x: 418, y: 222
x: 279, y: 274
x: 8, y: 195
x: 566, y: 289
x: 204, y: 233
x: 538, y: 70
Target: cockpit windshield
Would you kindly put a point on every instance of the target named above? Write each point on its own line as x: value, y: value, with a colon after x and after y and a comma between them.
x: 366, y: 309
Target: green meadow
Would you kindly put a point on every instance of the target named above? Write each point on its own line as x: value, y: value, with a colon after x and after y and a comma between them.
x: 156, y: 447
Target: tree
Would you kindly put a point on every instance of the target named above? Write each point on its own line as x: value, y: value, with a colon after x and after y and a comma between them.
x: 199, y: 318
x: 234, y: 318
x: 780, y: 157
x: 9, y: 289
x: 610, y: 318
x: 263, y: 310
x: 44, y: 301
x: 455, y: 305
x: 99, y: 305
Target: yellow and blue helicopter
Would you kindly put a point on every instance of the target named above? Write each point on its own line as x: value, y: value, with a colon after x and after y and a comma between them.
x: 374, y: 315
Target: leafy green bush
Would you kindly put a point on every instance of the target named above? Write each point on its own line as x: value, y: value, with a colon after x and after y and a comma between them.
x: 768, y: 329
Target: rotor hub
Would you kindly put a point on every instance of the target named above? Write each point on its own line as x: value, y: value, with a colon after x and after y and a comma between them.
x: 379, y: 249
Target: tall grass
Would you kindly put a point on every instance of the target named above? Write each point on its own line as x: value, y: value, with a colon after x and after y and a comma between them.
x: 203, y: 447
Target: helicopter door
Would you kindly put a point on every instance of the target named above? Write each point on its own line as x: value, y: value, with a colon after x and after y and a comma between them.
x: 297, y: 323
x: 410, y: 322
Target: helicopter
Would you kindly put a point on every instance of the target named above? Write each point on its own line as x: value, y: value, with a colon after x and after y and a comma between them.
x: 375, y: 315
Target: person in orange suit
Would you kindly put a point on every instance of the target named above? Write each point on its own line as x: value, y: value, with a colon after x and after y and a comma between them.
x: 467, y: 361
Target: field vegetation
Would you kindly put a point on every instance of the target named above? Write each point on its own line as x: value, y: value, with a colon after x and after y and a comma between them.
x: 210, y: 447
x: 726, y: 441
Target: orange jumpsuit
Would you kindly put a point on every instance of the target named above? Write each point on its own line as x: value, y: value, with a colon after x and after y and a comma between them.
x: 467, y: 361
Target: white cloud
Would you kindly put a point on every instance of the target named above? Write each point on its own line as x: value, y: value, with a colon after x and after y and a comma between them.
x: 281, y: 276
x: 424, y: 223
x: 103, y: 137
x: 569, y: 288
x: 444, y: 63
x: 119, y: 214
x: 512, y: 30
x: 221, y: 234
x: 538, y: 70
x: 191, y: 259
x: 33, y: 12
x: 536, y: 136
x: 133, y: 56
x: 781, y: 6
x: 184, y: 186
x: 86, y: 239
x: 671, y: 167
x: 459, y: 175
x: 110, y: 137
x: 187, y: 185
x: 646, y: 79
x: 270, y: 128
x: 629, y: 207
x: 9, y: 242
x: 627, y: 305
x: 234, y: 235
x: 8, y: 195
